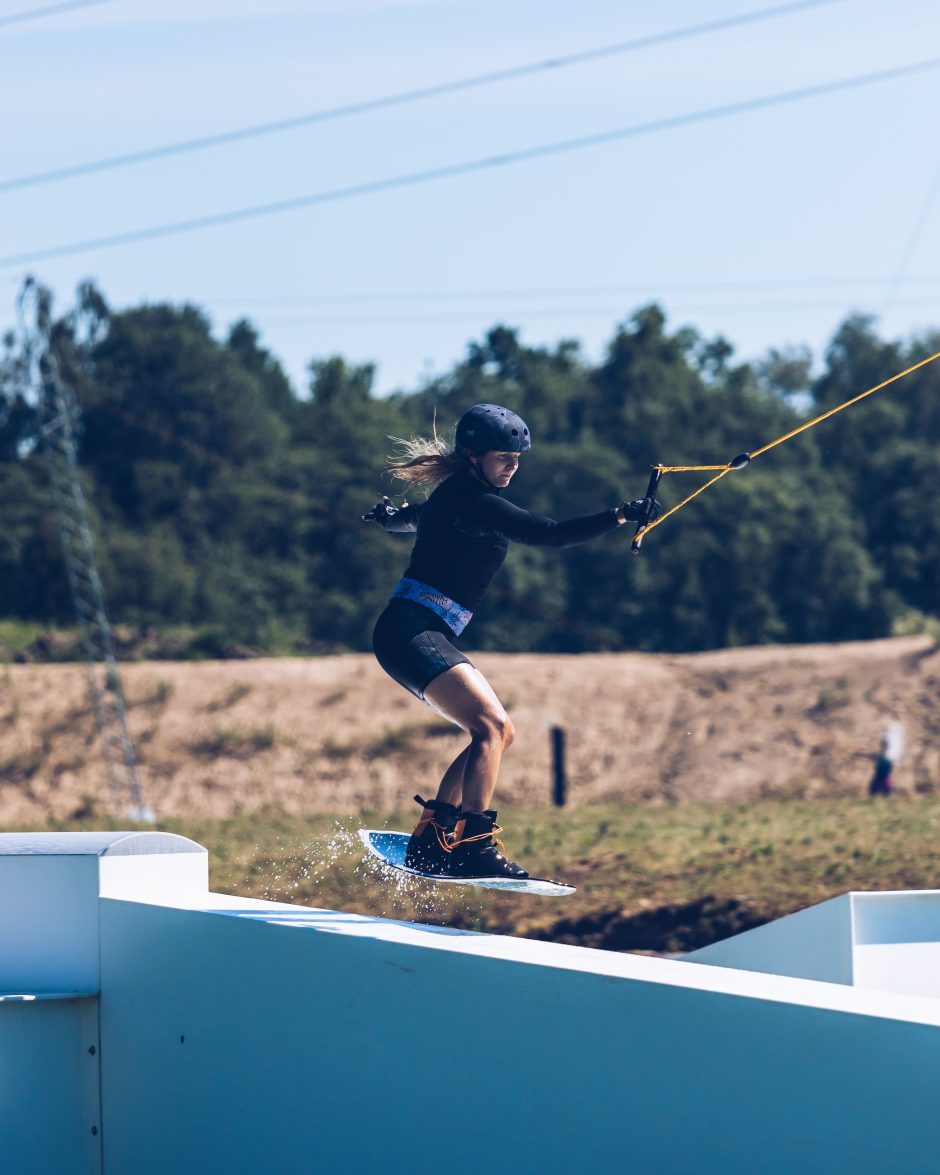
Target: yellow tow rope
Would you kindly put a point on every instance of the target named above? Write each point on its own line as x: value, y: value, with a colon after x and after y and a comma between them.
x: 744, y: 459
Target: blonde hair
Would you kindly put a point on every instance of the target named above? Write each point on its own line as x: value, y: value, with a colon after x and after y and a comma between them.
x: 425, y: 461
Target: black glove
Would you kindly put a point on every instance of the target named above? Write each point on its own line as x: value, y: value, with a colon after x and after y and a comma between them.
x: 637, y: 511
x: 382, y: 512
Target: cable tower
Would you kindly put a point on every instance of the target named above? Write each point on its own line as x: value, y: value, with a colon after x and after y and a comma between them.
x: 58, y: 414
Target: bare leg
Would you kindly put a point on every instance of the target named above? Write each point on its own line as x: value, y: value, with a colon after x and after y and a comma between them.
x: 451, y: 789
x: 463, y: 695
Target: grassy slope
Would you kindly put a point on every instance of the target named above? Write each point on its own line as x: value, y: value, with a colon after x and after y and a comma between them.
x: 666, y: 878
x: 335, y: 735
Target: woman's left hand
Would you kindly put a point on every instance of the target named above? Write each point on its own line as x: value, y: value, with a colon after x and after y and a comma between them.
x: 636, y: 511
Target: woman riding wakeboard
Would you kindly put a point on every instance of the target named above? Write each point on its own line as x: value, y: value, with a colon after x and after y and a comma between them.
x: 463, y: 533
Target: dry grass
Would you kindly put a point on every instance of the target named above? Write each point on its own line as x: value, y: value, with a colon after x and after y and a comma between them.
x: 708, y: 793
x: 649, y: 878
x: 335, y: 735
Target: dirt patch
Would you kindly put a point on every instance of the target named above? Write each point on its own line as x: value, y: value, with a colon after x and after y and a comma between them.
x: 334, y: 734
x: 670, y: 929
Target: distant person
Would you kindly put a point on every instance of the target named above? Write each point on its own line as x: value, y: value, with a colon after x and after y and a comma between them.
x: 882, y: 781
x: 463, y: 533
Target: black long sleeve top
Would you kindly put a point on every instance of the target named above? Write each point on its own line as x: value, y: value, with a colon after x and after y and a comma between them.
x: 464, y: 530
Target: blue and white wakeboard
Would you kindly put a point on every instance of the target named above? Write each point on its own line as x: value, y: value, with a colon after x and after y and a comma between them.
x: 389, y: 848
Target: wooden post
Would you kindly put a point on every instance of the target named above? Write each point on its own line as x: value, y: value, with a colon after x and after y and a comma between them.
x: 559, y: 782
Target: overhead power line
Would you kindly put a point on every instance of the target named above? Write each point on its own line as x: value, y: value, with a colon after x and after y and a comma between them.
x: 48, y: 10
x: 648, y: 287
x: 455, y: 169
x: 325, y: 511
x: 436, y: 91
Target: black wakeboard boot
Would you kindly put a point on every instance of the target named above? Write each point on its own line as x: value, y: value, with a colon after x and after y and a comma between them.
x: 428, y: 849
x: 475, y: 850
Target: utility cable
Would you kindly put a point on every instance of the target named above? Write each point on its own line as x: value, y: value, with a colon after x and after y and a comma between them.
x: 437, y: 91
x: 258, y: 210
x: 744, y: 459
x: 326, y: 513
x: 933, y: 190
x: 517, y: 314
x: 49, y: 10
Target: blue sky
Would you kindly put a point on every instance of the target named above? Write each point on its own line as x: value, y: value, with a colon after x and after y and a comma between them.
x: 767, y: 227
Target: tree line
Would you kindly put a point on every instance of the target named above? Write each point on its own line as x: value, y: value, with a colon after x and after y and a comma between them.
x: 225, y: 501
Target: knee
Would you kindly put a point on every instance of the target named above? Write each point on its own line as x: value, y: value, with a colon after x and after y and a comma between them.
x: 495, y: 728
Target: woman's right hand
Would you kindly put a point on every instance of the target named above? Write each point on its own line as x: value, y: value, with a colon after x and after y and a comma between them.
x: 382, y: 511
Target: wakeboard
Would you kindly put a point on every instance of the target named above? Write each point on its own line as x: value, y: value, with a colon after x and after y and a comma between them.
x: 389, y: 848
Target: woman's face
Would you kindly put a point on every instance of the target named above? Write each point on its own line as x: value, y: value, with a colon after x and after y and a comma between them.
x: 498, y: 468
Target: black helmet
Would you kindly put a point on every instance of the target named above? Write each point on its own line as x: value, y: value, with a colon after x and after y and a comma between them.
x: 488, y: 428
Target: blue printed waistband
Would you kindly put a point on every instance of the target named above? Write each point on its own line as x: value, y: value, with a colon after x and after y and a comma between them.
x: 452, y: 614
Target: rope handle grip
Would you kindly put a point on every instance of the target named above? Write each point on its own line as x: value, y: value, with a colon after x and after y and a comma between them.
x: 648, y: 499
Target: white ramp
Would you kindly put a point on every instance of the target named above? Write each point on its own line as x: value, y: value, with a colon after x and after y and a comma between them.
x: 882, y: 941
x: 251, y: 1037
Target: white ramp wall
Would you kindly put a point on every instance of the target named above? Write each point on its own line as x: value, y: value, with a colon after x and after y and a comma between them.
x: 247, y: 1037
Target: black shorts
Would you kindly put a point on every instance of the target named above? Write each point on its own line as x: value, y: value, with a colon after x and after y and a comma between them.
x: 413, y: 645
